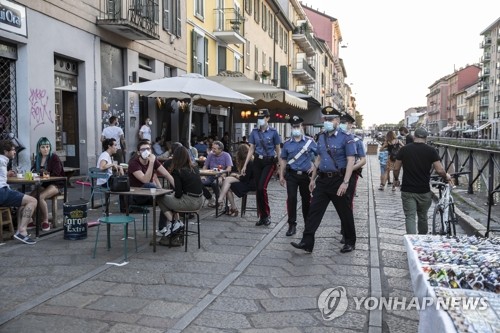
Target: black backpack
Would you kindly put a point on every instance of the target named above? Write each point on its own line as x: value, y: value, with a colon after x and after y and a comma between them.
x: 393, y: 150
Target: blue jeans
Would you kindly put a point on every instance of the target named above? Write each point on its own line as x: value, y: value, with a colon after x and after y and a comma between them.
x: 416, y: 204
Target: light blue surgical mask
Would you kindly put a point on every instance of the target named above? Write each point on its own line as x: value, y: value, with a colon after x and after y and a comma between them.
x: 343, y: 127
x: 329, y: 126
x: 296, y: 132
x: 261, y: 122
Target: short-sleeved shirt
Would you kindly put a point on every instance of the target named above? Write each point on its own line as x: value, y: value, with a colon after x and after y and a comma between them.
x: 135, y: 165
x: 265, y: 141
x: 291, y: 148
x: 113, y: 132
x: 213, y: 161
x: 104, y: 157
x: 417, y: 160
x: 146, y: 132
x: 360, y: 147
x: 340, y: 144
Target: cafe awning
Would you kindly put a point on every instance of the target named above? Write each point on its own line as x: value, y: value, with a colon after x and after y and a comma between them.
x: 483, y: 126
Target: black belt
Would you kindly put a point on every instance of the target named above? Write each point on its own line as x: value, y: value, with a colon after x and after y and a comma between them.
x: 194, y: 195
x: 330, y: 174
x: 265, y: 158
x: 297, y: 172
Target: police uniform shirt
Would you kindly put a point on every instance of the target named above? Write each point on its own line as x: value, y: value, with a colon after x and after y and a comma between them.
x: 360, y: 147
x: 341, y: 145
x: 291, y: 148
x: 270, y: 137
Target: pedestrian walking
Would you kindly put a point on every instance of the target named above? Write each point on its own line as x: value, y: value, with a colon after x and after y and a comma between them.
x: 333, y: 166
x: 265, y: 147
x: 417, y: 159
x: 346, y: 124
x: 296, y: 166
x: 403, y: 131
x: 393, y: 145
x: 113, y: 131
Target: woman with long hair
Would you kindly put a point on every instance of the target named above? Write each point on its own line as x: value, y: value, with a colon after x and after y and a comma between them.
x: 237, y: 184
x: 392, y: 144
x: 188, y: 191
x: 49, y: 163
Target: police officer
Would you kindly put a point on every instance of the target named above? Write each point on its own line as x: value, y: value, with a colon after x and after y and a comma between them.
x: 333, y: 166
x: 296, y: 165
x: 265, y: 147
x: 346, y: 124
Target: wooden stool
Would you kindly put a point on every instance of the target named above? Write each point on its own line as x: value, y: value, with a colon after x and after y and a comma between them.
x: 5, y: 220
x: 57, y: 215
x: 116, y: 219
x: 188, y: 233
x: 244, y: 203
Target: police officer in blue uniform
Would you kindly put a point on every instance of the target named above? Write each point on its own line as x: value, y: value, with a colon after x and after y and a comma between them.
x: 333, y: 168
x: 296, y: 165
x: 346, y: 124
x: 265, y: 147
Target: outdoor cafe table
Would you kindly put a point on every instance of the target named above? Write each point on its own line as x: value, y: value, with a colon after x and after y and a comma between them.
x: 37, y: 183
x: 216, y: 174
x: 143, y: 192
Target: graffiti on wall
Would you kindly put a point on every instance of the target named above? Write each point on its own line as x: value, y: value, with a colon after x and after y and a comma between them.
x: 39, y: 107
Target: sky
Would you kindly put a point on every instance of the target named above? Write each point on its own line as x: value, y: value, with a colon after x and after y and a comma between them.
x: 397, y: 49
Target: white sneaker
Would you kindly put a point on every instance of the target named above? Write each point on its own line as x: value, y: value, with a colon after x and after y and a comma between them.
x: 165, y: 231
x: 177, y: 225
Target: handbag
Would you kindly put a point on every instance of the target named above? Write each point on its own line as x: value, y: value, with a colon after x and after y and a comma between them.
x: 119, y: 184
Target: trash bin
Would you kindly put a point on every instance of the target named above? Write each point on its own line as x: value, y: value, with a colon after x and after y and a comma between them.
x: 75, y: 220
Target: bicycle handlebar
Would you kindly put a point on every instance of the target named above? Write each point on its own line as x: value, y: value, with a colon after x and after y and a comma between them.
x: 452, y: 175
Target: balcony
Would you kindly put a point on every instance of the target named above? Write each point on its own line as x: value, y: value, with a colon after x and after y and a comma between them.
x: 132, y: 19
x: 303, y: 71
x: 484, y: 102
x: 304, y: 40
x: 228, y: 26
x: 486, y: 57
x: 485, y: 42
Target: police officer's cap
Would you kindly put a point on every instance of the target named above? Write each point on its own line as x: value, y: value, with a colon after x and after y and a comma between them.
x: 296, y: 120
x: 346, y: 117
x: 330, y: 112
x: 263, y: 113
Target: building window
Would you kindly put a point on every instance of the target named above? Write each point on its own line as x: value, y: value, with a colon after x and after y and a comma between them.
x: 247, y: 55
x: 237, y: 63
x: 264, y: 17
x: 256, y: 60
x: 248, y: 6
x: 172, y: 17
x: 199, y: 58
x: 270, y: 24
x: 199, y: 10
x: 256, y: 8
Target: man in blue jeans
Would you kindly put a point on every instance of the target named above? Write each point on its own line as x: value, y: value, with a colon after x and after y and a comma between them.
x: 10, y: 198
x: 417, y: 158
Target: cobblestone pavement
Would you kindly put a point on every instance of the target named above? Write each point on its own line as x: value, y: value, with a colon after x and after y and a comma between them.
x: 243, y: 279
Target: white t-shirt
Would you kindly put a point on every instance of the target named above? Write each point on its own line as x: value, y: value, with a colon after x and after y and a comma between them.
x: 113, y: 132
x: 146, y: 132
x: 4, y: 161
x: 104, y: 157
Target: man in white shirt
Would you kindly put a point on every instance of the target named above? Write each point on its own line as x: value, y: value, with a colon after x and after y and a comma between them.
x: 145, y: 130
x: 113, y: 131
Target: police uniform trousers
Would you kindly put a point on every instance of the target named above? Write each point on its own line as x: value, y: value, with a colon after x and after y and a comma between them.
x: 350, y: 193
x: 324, y: 193
x: 295, y: 181
x: 263, y: 170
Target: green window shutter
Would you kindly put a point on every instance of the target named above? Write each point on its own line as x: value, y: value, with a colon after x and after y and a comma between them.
x: 194, y: 58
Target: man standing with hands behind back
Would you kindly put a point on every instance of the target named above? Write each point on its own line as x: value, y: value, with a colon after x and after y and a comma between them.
x: 417, y: 159
x: 265, y: 147
x: 113, y: 131
x: 333, y: 166
x: 296, y: 166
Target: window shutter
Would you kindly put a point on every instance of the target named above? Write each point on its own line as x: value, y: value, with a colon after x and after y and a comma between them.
x: 206, y: 57
x: 284, y: 77
x: 166, y: 14
x: 194, y: 58
x: 178, y: 16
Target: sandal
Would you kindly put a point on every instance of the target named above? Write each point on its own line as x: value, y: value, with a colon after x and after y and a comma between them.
x: 381, y: 187
x: 233, y: 212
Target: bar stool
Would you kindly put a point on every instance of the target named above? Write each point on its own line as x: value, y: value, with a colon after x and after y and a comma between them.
x: 187, y: 232
x: 116, y: 219
x: 244, y: 207
x: 5, y: 220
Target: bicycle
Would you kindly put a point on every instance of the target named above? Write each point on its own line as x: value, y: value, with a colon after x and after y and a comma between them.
x: 444, y: 218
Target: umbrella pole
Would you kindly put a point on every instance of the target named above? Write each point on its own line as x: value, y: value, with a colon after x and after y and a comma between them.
x: 190, y: 121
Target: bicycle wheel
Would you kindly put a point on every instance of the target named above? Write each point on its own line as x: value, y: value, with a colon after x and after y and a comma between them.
x: 452, y: 220
x: 437, y: 221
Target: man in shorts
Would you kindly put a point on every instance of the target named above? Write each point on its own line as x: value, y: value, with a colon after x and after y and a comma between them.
x: 11, y: 198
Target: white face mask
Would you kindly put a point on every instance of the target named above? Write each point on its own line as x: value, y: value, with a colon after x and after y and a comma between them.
x: 150, y: 123
x: 145, y: 154
x: 296, y: 132
x: 329, y: 126
x: 343, y: 127
x: 261, y: 122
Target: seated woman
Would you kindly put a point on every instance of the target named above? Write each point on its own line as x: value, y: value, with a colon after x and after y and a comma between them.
x: 188, y: 188
x: 47, y: 161
x: 236, y: 183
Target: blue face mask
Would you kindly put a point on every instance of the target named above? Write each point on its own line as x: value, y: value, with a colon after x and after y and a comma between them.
x: 261, y: 122
x: 343, y: 127
x: 329, y: 126
x: 296, y: 132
